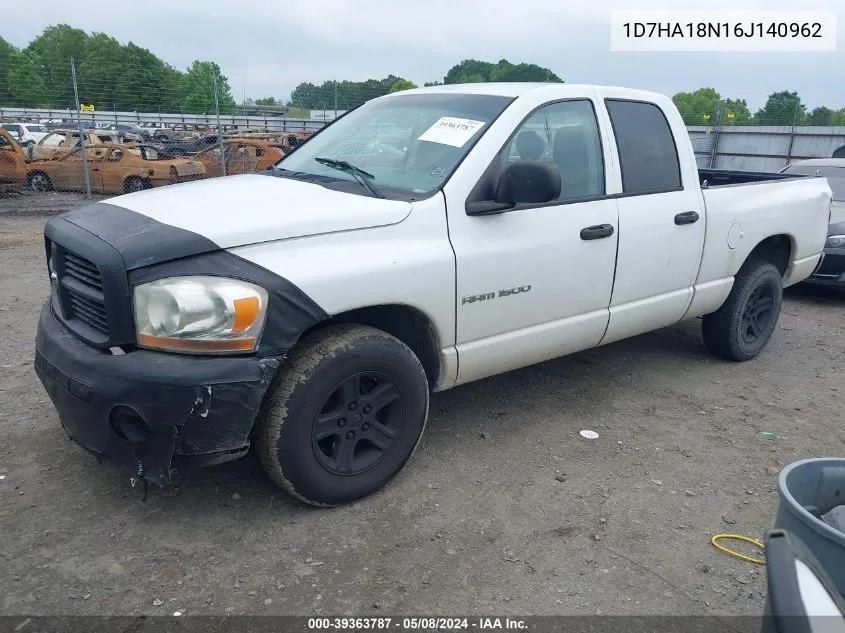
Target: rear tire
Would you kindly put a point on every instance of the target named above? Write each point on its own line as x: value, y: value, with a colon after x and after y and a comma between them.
x: 343, y: 416
x: 743, y: 326
x: 39, y: 181
x: 133, y: 184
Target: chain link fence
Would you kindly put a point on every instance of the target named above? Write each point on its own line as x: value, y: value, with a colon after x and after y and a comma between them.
x: 80, y: 131
x: 114, y: 127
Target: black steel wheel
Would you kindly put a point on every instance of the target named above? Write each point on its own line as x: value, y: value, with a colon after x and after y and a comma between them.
x: 743, y: 326
x: 358, y: 423
x: 757, y: 314
x: 343, y: 416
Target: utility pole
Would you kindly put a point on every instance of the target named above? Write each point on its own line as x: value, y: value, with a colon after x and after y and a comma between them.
x: 792, y: 136
x: 335, y: 98
x: 219, y: 128
x: 718, y: 132
x: 85, y: 173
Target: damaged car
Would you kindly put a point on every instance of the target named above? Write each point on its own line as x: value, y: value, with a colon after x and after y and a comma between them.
x: 59, y: 143
x: 241, y: 156
x: 112, y: 169
x: 12, y: 163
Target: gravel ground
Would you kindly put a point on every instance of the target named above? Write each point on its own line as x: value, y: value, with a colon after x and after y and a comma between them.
x: 505, y: 508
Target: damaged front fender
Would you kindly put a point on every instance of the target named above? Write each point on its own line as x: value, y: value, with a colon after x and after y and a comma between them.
x: 145, y: 411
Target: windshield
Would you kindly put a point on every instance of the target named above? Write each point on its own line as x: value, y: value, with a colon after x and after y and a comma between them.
x: 835, y: 177
x: 37, y: 128
x: 410, y: 144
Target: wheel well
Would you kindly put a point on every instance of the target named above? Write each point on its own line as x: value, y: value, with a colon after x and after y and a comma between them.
x: 129, y: 179
x: 777, y: 250
x: 408, y: 324
x: 38, y: 172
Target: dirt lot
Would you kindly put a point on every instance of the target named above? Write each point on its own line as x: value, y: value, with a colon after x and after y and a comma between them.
x: 505, y: 508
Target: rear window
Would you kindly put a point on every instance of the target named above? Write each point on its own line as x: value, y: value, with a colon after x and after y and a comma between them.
x: 835, y: 177
x: 647, y: 152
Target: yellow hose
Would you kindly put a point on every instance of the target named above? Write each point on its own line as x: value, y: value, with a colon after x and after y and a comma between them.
x: 737, y: 537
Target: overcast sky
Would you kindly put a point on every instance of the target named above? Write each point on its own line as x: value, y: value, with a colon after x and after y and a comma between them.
x: 267, y: 47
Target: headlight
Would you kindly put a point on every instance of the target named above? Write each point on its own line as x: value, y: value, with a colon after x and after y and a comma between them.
x: 835, y: 241
x: 199, y: 315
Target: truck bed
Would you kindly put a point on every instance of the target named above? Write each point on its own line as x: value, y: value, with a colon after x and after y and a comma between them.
x: 723, y: 177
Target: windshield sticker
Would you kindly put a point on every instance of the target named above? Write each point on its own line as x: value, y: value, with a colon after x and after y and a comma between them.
x: 452, y: 131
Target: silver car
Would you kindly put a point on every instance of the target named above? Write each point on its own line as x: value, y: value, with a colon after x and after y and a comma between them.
x: 831, y: 270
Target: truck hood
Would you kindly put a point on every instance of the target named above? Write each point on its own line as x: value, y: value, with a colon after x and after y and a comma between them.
x: 248, y: 209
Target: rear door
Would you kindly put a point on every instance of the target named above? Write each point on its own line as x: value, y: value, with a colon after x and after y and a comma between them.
x: 66, y: 172
x: 113, y: 170
x: 661, y: 219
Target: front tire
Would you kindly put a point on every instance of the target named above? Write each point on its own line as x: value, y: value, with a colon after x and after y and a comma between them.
x: 742, y: 327
x: 344, y: 415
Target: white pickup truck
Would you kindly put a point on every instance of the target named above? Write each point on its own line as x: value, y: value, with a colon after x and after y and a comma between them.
x: 427, y: 239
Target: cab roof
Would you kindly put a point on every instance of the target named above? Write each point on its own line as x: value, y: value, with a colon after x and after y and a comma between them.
x: 517, y: 89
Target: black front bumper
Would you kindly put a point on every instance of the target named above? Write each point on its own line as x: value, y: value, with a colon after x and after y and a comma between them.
x: 146, y: 411
x: 831, y: 269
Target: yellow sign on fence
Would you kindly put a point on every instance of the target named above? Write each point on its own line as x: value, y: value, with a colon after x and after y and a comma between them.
x: 86, y: 108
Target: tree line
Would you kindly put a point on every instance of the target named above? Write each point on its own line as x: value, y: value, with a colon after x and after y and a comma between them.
x: 348, y: 94
x: 110, y: 76
x: 127, y: 77
x: 706, y: 106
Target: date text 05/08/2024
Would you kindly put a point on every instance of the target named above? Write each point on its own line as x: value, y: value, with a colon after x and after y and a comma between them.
x: 723, y: 29
x: 417, y: 623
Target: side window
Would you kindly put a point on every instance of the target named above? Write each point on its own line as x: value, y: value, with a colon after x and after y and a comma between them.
x: 647, y: 152
x: 564, y: 134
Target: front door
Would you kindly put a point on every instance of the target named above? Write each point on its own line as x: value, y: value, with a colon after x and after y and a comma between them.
x: 535, y: 283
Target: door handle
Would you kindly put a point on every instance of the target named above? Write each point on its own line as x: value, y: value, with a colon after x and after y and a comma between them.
x: 597, y: 232
x: 687, y: 217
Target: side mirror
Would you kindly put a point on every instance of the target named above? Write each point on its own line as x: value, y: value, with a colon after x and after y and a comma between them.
x: 522, y: 182
x: 801, y: 595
